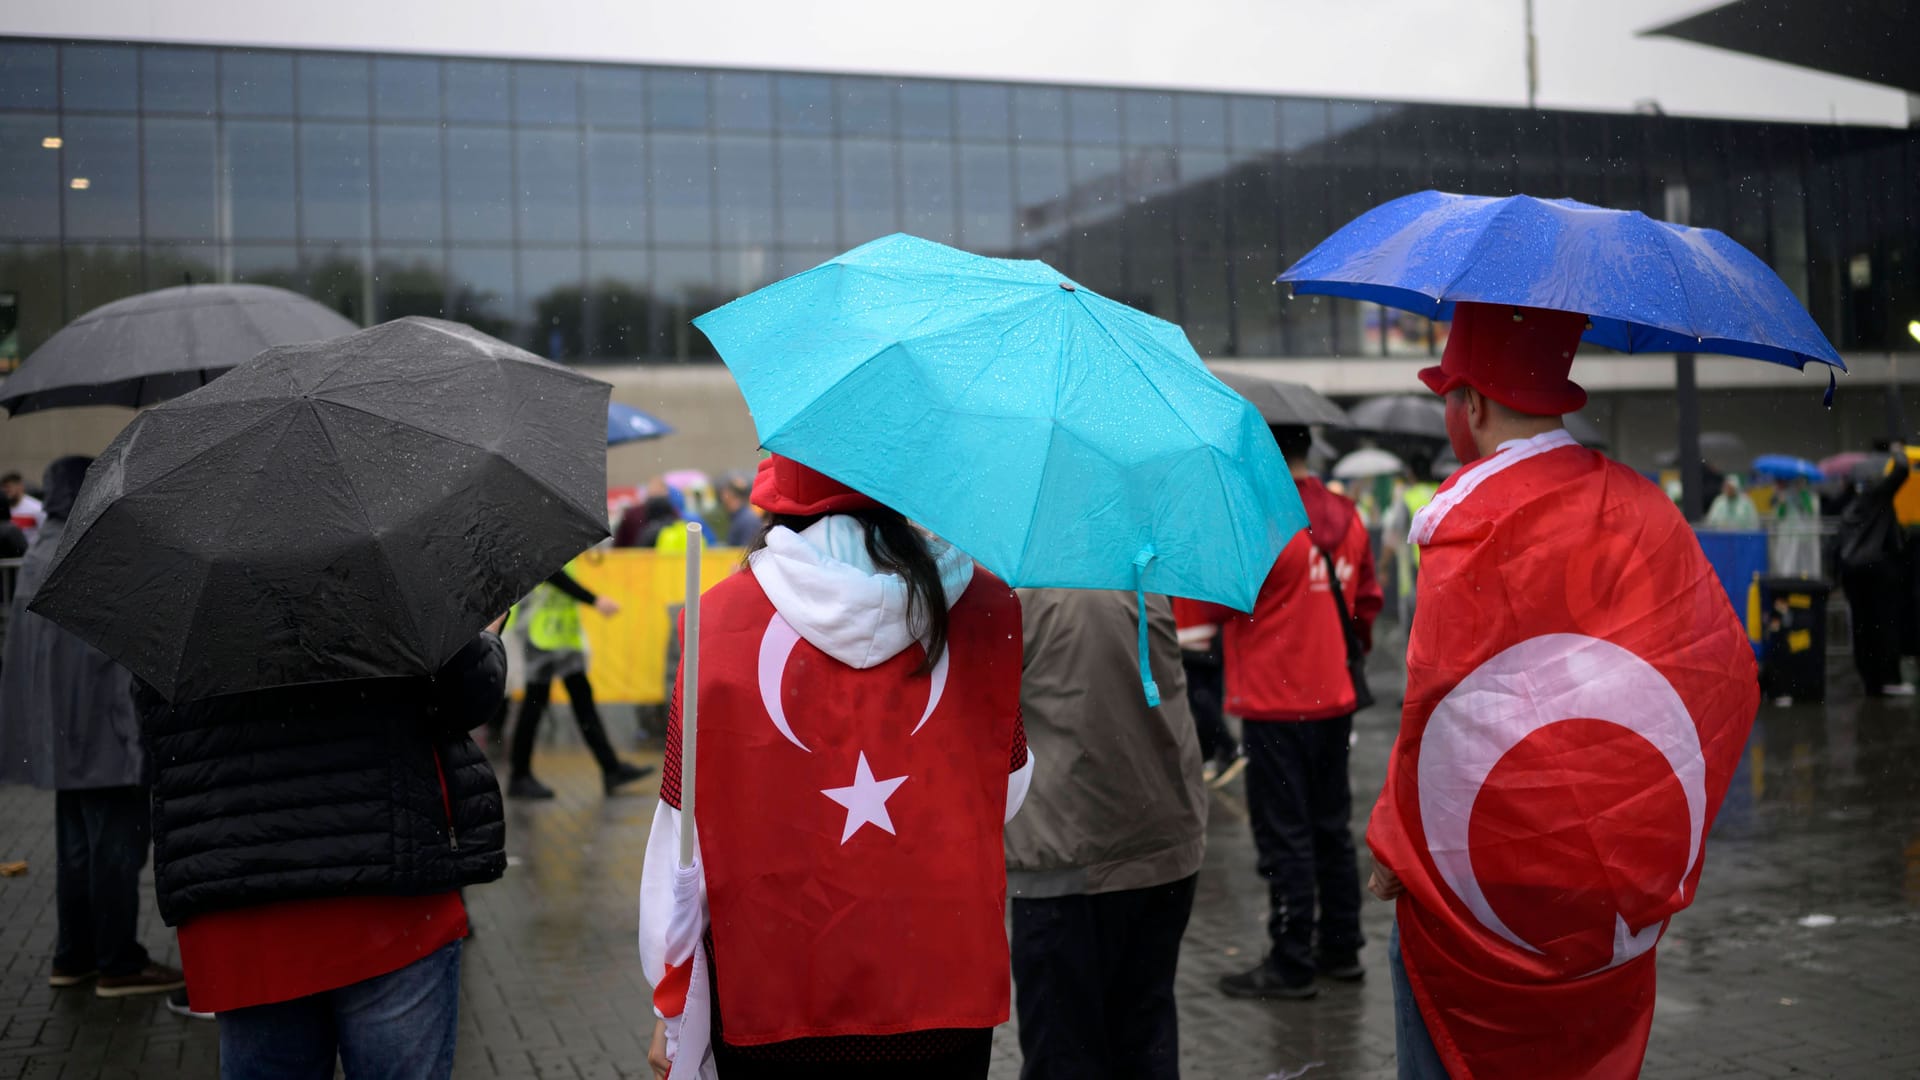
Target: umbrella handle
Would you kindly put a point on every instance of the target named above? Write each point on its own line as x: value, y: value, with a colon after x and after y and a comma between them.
x: 1140, y: 562
x: 690, y: 691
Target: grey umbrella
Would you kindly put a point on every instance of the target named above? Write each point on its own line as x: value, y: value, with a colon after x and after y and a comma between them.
x: 159, y: 345
x: 1402, y: 414
x: 350, y: 509
x: 1283, y: 403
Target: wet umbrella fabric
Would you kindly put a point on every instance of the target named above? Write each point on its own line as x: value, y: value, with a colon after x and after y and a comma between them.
x: 158, y: 345
x: 1646, y: 285
x: 1369, y: 462
x: 350, y: 509
x: 1058, y: 437
x: 1401, y: 414
x: 1285, y: 404
x: 1787, y: 467
x: 1842, y: 466
x: 627, y: 424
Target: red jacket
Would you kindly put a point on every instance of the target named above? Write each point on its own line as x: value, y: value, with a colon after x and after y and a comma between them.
x: 1288, y: 660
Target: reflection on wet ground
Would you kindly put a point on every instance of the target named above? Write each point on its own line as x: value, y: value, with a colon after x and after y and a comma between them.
x: 1801, y: 954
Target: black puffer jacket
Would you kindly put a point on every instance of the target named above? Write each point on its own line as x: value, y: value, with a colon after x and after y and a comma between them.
x: 326, y: 790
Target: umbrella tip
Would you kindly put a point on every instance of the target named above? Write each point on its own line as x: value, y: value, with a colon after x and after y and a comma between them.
x: 1067, y: 285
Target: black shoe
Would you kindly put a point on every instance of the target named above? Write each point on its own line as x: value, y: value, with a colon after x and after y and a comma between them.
x: 623, y: 774
x: 1265, y: 984
x: 526, y: 787
x: 1345, y: 967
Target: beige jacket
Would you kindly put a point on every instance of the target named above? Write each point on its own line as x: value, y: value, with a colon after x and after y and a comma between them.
x: 1117, y: 800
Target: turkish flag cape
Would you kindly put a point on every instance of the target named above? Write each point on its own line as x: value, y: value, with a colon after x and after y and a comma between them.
x: 1579, y: 693
x: 850, y: 822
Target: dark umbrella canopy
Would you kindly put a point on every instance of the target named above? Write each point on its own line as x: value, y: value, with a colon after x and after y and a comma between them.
x: 1283, y: 403
x: 158, y: 345
x: 1401, y: 414
x: 354, y: 508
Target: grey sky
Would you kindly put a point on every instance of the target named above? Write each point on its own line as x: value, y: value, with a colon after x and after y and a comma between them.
x: 1413, y: 50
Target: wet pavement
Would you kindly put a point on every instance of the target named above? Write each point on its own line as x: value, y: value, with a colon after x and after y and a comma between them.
x: 1801, y: 955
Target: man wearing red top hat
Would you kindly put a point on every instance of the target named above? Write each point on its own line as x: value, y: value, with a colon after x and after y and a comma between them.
x: 1579, y: 691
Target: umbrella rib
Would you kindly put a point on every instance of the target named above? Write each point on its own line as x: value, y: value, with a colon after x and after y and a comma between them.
x: 1680, y: 279
x: 320, y: 421
x: 1148, y: 377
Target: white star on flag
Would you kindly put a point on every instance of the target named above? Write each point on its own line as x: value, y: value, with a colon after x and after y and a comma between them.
x: 866, y: 800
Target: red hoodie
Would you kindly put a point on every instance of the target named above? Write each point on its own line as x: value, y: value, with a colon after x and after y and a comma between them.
x: 1288, y: 660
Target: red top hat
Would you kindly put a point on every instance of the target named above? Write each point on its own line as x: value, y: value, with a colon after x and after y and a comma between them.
x: 782, y: 485
x: 1518, y: 356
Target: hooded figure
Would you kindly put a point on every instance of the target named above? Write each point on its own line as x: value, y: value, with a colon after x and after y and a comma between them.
x: 66, y: 711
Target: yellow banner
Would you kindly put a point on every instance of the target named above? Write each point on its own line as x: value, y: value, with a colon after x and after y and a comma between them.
x: 629, y: 650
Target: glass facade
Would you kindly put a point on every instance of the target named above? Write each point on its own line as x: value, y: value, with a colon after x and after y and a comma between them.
x: 587, y: 211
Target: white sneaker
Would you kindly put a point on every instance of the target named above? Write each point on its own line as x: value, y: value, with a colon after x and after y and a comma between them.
x: 1782, y: 701
x: 177, y: 1005
x: 1898, y: 690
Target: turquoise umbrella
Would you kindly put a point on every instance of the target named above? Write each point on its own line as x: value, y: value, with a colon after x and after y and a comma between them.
x: 1059, y: 437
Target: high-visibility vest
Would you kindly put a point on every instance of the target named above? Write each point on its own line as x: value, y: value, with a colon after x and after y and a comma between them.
x: 553, y: 620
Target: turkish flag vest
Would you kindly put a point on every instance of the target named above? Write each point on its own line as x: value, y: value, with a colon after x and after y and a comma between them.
x: 1579, y: 695
x: 850, y: 822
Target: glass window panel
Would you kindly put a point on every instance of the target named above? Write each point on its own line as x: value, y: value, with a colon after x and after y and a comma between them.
x: 258, y: 179
x: 1197, y: 165
x: 476, y: 91
x: 1303, y: 126
x: 686, y: 284
x: 743, y: 270
x: 1253, y: 124
x: 553, y: 303
x: 409, y: 281
x: 619, y: 302
x: 1094, y: 116
x: 264, y: 264
x: 334, y: 86
x: 616, y: 188
x: 869, y: 201
x: 1099, y: 186
x: 406, y: 89
x: 546, y: 94
x: 615, y: 96
x: 480, y: 289
x: 1149, y: 117
x: 678, y: 99
x: 982, y: 110
x: 742, y: 101
x: 743, y: 179
x: 28, y: 71
x: 1039, y: 114
x: 1203, y: 121
x: 182, y: 179
x: 479, y: 185
x: 986, y: 198
x: 256, y: 84
x: 681, y: 171
x: 1040, y: 183
x: 926, y: 184
x: 790, y: 261
x: 549, y: 187
x: 182, y: 264
x: 407, y: 180
x: 29, y: 178
x: 179, y: 80
x: 866, y: 106
x: 804, y: 103
x: 808, y: 210
x: 31, y: 272
x: 335, y: 194
x: 100, y: 274
x: 104, y: 78
x: 926, y: 109
x: 339, y: 277
x: 103, y: 177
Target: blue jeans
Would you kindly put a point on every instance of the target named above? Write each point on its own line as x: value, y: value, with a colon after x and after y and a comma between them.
x: 1418, y: 1059
x: 398, y: 1026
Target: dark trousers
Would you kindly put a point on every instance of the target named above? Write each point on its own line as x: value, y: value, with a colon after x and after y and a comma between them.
x: 1206, y: 694
x: 1094, y: 981
x: 534, y: 706
x: 969, y: 1060
x: 1301, y: 804
x: 1877, y: 597
x: 102, y: 836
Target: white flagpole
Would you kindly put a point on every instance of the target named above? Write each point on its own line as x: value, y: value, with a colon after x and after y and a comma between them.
x: 690, y: 691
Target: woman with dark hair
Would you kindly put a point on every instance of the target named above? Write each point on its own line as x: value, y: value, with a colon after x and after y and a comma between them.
x: 860, y: 749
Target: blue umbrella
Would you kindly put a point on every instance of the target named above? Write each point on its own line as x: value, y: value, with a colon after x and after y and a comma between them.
x: 1787, y: 467
x: 1058, y: 437
x: 1646, y: 285
x: 627, y: 424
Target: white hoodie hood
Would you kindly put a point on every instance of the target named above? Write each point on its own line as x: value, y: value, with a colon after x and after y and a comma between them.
x: 823, y: 582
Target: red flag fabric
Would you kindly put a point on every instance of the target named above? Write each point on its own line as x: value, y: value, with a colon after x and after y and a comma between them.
x: 1579, y: 694
x: 850, y: 822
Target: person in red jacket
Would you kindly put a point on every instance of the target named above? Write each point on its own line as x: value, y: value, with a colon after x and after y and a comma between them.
x: 1287, y: 681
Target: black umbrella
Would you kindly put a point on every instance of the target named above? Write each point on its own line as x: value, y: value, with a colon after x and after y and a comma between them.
x: 1420, y: 415
x: 1284, y: 403
x: 159, y: 345
x: 348, y: 509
